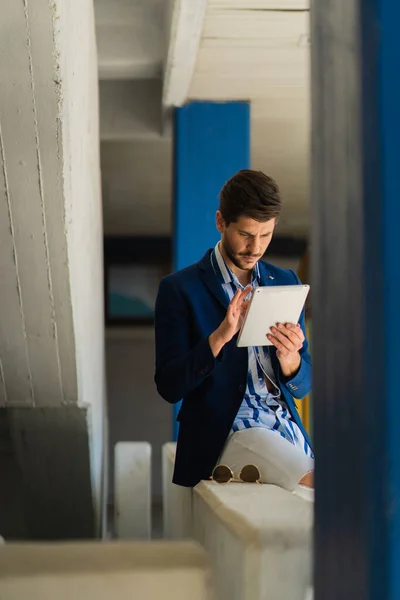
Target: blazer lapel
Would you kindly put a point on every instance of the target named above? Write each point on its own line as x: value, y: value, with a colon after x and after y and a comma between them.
x: 266, y: 275
x: 210, y: 279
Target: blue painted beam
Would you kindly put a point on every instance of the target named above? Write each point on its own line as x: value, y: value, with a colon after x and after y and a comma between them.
x: 211, y: 143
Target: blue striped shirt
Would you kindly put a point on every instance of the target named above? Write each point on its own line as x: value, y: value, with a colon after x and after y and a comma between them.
x: 260, y: 407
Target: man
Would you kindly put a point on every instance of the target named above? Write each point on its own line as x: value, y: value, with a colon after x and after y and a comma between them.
x: 238, y: 406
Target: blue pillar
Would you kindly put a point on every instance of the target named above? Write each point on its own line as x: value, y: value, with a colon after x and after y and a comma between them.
x: 211, y: 143
x: 356, y: 298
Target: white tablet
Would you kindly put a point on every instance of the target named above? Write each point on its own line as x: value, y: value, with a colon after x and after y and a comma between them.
x: 270, y: 305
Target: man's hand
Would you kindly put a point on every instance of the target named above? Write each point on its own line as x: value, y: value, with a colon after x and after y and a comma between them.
x: 233, y: 321
x: 288, y: 340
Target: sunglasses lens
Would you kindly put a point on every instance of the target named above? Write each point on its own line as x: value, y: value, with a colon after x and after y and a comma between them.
x: 222, y: 474
x: 250, y: 474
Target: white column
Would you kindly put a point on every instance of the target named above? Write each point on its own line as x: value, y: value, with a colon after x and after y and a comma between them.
x: 133, y: 490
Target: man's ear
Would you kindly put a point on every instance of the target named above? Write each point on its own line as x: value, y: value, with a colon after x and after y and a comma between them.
x: 220, y: 223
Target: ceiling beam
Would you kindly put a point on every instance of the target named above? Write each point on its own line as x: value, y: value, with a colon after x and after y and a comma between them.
x: 183, y: 28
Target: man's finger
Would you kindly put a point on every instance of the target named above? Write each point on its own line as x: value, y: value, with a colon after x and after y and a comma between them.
x: 235, y: 299
x: 239, y: 297
x: 283, y: 339
x: 293, y: 331
x: 284, y: 332
x: 245, y: 307
x: 278, y: 344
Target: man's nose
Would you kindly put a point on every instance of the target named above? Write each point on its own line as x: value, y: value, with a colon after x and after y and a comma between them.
x: 254, y: 246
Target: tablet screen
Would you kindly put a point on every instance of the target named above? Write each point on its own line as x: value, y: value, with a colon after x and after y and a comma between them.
x: 270, y: 305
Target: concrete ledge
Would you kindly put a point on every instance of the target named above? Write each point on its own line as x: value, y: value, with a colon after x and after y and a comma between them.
x: 258, y: 537
x: 258, y: 514
x: 177, y: 500
x: 145, y: 570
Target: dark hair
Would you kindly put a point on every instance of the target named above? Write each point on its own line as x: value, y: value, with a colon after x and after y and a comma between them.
x: 250, y: 194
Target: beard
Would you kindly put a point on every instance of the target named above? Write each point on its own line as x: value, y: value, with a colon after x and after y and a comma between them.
x: 238, y: 258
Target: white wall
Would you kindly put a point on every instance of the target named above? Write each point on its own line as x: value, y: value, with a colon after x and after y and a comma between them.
x: 75, y: 40
x: 280, y: 132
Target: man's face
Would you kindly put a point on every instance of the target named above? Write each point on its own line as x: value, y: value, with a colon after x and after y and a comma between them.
x: 245, y: 241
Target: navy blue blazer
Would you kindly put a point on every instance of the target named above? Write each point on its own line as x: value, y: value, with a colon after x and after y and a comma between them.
x: 190, y: 305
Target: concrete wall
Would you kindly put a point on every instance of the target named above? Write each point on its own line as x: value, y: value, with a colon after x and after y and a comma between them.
x: 130, y: 110
x: 83, y: 212
x: 137, y: 186
x: 51, y: 323
x: 36, y: 329
x: 129, y: 38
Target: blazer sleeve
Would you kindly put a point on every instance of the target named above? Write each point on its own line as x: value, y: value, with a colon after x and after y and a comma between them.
x: 300, y: 385
x: 179, y: 367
